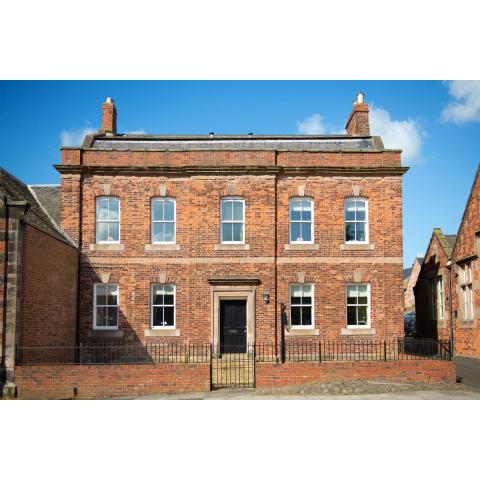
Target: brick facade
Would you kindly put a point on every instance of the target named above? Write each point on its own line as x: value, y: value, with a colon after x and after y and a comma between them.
x: 266, y: 177
x: 409, y: 284
x: 466, y: 252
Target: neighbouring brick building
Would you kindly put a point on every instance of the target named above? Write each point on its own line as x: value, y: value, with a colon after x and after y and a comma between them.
x: 432, y: 289
x: 410, y: 276
x: 38, y: 268
x: 202, y: 238
x: 461, y: 251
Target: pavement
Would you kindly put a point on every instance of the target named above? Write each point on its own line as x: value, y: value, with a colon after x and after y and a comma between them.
x: 468, y: 370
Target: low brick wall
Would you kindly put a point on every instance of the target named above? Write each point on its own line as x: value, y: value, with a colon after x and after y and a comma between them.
x: 269, y: 375
x: 97, y: 381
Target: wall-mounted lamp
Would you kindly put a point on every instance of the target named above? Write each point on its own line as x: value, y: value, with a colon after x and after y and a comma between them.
x: 266, y: 296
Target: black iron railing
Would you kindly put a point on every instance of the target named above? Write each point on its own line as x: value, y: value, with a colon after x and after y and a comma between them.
x: 295, y: 351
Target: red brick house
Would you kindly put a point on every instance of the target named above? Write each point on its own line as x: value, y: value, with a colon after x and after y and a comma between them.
x: 432, y: 290
x: 466, y: 277
x: 38, y: 269
x: 202, y: 238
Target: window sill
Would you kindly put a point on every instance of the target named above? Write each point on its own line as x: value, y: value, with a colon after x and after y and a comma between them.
x: 469, y: 323
x: 358, y: 331
x: 162, y: 332
x: 232, y: 246
x: 107, y: 247
x: 301, y: 246
x: 105, y: 333
x: 162, y: 247
x: 302, y: 332
x: 357, y: 246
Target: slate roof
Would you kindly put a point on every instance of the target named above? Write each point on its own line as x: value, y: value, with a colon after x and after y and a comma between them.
x: 39, y: 215
x: 315, y: 143
x: 451, y: 239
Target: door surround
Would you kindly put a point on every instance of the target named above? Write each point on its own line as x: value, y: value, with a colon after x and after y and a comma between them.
x: 233, y: 292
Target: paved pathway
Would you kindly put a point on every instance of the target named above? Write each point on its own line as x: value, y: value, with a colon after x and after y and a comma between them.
x: 468, y: 369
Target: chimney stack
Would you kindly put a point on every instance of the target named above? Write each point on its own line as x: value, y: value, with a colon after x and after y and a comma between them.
x: 109, y: 117
x: 357, y: 123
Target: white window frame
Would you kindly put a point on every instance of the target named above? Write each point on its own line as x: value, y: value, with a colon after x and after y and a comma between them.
x: 290, y: 221
x: 367, y: 235
x: 152, y: 221
x: 105, y: 327
x: 467, y: 292
x: 368, y: 325
x: 103, y: 197
x: 164, y: 327
x: 441, y: 298
x: 302, y: 327
x: 237, y: 199
x: 433, y: 288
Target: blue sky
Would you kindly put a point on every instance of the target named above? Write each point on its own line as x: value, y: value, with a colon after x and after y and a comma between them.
x: 436, y: 123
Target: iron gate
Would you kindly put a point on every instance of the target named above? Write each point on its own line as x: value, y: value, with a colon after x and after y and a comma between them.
x: 230, y: 368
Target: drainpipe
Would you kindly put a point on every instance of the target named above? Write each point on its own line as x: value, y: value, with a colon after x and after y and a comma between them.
x: 449, y: 266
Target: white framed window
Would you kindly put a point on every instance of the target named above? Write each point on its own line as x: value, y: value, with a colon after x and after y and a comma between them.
x: 356, y: 220
x: 232, y: 219
x: 301, y: 220
x: 163, y: 220
x: 467, y: 292
x: 433, y: 290
x: 301, y: 306
x: 163, y: 306
x: 107, y: 219
x: 358, y: 305
x: 105, y: 306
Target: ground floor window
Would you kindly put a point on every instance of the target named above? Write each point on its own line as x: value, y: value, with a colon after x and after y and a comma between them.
x: 467, y: 291
x: 163, y: 306
x: 301, y: 306
x: 358, y: 305
x: 105, y: 312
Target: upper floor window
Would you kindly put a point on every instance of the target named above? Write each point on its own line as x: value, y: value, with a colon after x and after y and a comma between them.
x: 358, y: 305
x: 107, y: 220
x: 466, y: 285
x: 301, y: 306
x: 232, y: 220
x: 163, y: 306
x: 105, y: 308
x: 301, y: 224
x: 356, y: 220
x: 163, y: 220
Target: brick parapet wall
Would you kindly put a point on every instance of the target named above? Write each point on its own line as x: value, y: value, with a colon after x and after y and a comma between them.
x: 269, y: 375
x: 97, y: 381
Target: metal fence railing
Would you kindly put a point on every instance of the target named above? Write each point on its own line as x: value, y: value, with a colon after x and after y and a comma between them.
x: 292, y: 351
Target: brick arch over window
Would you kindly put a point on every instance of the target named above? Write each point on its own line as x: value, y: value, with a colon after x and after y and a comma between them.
x: 106, y: 190
x: 360, y: 275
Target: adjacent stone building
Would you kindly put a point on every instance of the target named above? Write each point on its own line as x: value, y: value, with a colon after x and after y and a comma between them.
x: 203, y: 238
x: 38, y: 268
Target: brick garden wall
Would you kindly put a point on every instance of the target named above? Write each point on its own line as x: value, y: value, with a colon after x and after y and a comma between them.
x: 97, y: 381
x: 269, y: 375
x: 49, y: 278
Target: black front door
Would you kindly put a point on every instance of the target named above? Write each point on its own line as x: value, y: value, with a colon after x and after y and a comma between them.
x: 233, y: 326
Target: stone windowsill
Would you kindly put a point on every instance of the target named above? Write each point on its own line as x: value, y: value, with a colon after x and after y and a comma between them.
x: 301, y: 246
x: 107, y: 247
x: 358, y: 331
x: 467, y: 323
x: 299, y: 332
x: 162, y: 247
x: 357, y: 246
x: 162, y: 332
x: 232, y: 246
x: 105, y: 333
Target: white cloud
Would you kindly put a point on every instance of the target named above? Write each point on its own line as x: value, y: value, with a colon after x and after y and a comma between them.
x: 74, y: 138
x: 404, y: 134
x: 466, y: 104
x: 312, y: 125
x: 140, y: 131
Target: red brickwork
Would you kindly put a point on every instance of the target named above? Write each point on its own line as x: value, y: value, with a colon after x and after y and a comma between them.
x: 97, y: 381
x: 48, y: 305
x: 3, y: 251
x: 467, y: 249
x: 434, y: 266
x: 358, y: 123
x: 268, y: 375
